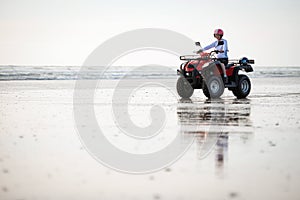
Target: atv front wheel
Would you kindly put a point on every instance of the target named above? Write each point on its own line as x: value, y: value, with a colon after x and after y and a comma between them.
x: 213, y: 88
x: 184, y: 88
x: 243, y: 87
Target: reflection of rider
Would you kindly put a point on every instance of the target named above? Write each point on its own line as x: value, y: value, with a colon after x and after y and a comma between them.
x: 221, y: 47
x: 221, y: 150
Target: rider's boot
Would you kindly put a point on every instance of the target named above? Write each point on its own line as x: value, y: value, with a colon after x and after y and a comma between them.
x: 225, y: 78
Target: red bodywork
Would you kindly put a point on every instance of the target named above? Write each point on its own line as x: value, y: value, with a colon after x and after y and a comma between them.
x: 229, y: 71
x: 200, y: 63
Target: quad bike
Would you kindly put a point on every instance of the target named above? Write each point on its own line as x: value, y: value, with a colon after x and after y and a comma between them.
x: 204, y: 71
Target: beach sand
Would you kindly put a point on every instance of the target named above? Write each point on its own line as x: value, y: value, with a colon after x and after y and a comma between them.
x: 255, y: 157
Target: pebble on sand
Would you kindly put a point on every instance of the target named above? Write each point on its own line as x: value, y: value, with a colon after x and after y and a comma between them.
x: 233, y: 194
x: 168, y: 169
x: 4, y: 189
x: 156, y: 196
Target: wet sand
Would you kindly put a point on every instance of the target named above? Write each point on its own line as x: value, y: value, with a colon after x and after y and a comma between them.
x: 255, y: 156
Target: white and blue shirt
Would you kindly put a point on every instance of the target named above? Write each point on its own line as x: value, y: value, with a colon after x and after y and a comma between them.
x: 223, y: 47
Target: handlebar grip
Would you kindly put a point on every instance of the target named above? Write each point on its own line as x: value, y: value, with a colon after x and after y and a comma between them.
x: 251, y: 62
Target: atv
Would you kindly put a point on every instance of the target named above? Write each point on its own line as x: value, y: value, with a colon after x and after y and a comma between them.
x: 204, y: 71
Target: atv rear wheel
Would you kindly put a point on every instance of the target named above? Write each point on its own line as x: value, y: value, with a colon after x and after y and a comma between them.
x: 184, y: 88
x: 213, y: 88
x: 243, y: 87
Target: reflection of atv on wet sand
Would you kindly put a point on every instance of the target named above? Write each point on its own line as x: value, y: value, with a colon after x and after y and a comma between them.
x: 204, y: 72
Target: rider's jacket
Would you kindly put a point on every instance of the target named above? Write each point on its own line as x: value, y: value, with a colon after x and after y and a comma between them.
x: 220, y: 47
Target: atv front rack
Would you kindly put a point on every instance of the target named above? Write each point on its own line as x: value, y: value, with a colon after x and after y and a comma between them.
x: 194, y: 57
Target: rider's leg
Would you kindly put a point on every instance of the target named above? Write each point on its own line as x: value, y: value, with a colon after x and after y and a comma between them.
x: 224, y: 71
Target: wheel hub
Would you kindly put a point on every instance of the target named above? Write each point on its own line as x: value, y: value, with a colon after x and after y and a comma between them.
x: 245, y: 86
x: 214, y: 86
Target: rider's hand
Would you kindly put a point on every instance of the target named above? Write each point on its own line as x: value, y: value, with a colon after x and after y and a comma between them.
x: 199, y: 51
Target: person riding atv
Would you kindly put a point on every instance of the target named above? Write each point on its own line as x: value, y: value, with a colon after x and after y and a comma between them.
x: 206, y: 71
x: 221, y: 47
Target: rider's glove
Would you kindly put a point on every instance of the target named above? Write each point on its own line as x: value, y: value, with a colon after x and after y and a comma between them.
x: 200, y: 51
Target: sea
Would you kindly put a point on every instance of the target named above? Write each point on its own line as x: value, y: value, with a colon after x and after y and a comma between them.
x: 17, y: 72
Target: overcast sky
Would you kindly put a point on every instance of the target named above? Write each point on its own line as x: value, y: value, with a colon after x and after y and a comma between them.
x: 53, y: 32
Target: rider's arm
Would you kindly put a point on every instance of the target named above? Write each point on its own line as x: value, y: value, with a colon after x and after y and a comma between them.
x: 212, y: 45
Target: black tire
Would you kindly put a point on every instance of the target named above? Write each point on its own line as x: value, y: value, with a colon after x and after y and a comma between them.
x: 213, y: 88
x: 184, y: 88
x: 243, y: 87
x: 205, y: 90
